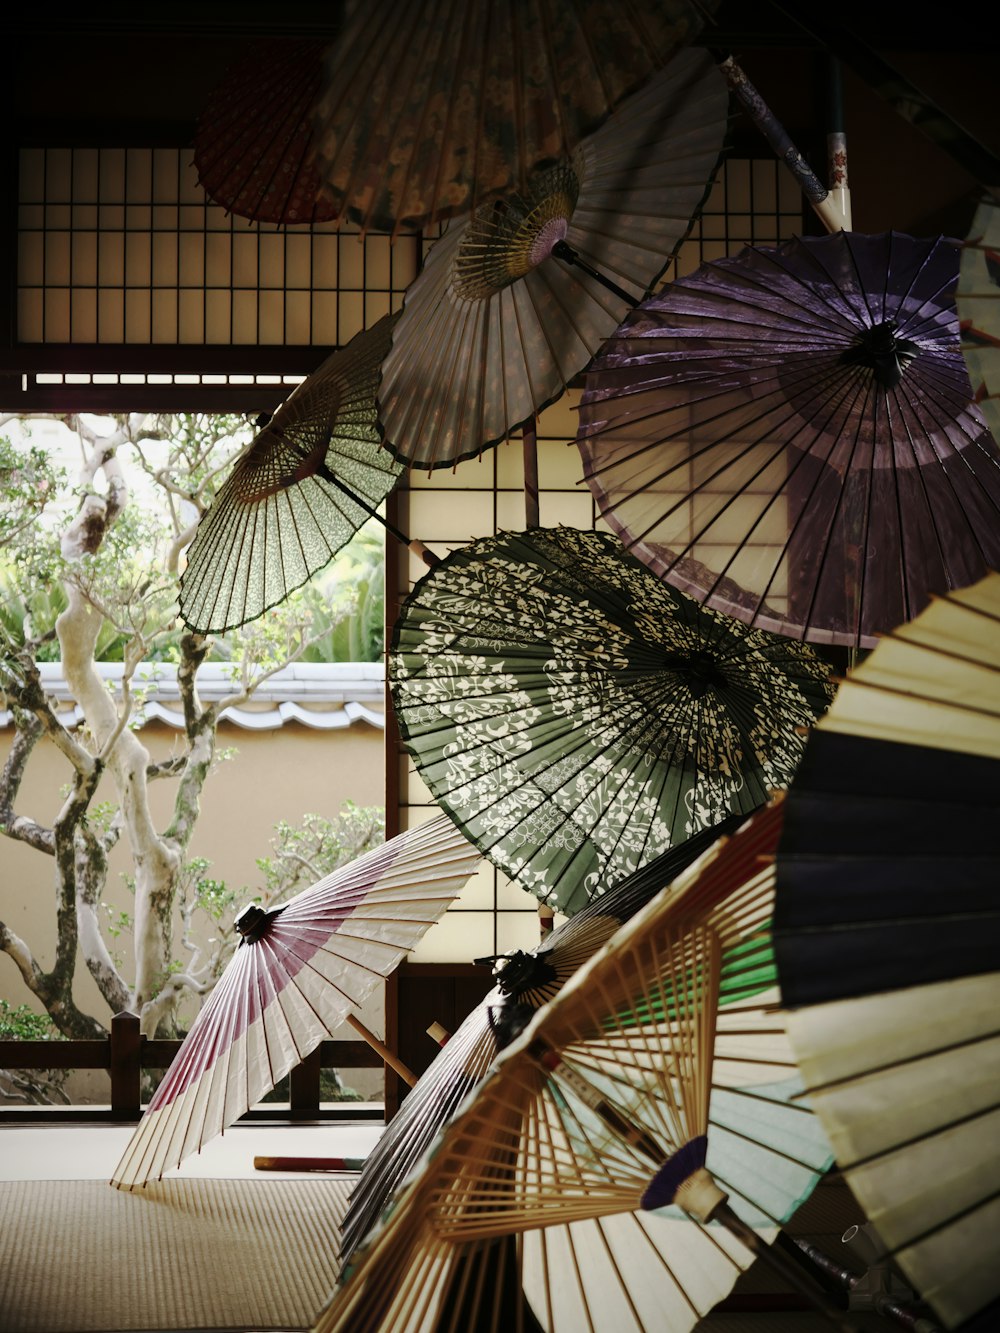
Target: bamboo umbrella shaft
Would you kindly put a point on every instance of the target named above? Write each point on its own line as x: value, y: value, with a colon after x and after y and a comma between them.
x: 836, y: 147
x: 308, y: 1163
x: 784, y: 1267
x: 568, y: 255
x: 774, y: 132
x: 411, y: 543
x: 392, y: 1060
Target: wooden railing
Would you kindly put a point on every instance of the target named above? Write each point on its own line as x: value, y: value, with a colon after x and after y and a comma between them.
x: 125, y: 1053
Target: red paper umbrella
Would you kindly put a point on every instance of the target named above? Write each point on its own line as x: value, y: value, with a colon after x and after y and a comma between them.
x: 301, y: 969
x: 431, y: 107
x: 253, y: 146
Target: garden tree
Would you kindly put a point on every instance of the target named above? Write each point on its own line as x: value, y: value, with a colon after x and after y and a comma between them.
x: 98, y: 578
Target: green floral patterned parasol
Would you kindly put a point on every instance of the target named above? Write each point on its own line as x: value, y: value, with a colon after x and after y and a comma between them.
x: 577, y: 717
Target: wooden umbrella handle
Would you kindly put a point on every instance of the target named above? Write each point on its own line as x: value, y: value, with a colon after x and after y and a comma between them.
x: 393, y: 1061
x: 308, y: 1163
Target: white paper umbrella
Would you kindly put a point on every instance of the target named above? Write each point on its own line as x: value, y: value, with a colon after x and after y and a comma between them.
x: 301, y: 969
x: 497, y: 324
x: 887, y: 935
x: 633, y: 1147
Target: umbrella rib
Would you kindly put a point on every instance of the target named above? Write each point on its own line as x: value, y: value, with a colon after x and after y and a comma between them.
x: 834, y: 317
x: 898, y: 1145
x: 942, y: 1223
x: 835, y: 406
x: 227, y: 531
x: 451, y: 97
x: 613, y: 1263
x: 661, y: 1259
x: 293, y: 115
x: 855, y: 446
x: 404, y: 45
x: 960, y: 508
x: 773, y: 1149
x: 763, y: 419
x: 684, y: 500
x: 977, y: 710
x: 900, y: 1063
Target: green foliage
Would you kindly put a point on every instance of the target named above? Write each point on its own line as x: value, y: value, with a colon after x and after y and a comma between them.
x: 21, y: 1023
x: 30, y: 486
x: 117, y: 541
x: 30, y: 597
x: 339, y: 613
x: 357, y: 571
x: 117, y: 922
x: 318, y: 846
x: 214, y: 897
x: 46, y: 1086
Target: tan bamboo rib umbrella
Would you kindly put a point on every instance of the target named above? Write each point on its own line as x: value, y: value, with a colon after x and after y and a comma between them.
x: 530, y: 979
x: 634, y: 1146
x: 301, y: 490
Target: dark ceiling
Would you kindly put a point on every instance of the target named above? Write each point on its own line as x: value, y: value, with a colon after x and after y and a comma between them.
x: 140, y: 75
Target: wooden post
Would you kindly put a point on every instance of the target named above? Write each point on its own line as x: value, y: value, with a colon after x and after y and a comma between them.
x: 392, y: 1079
x: 125, y: 1064
x: 303, y: 1087
x: 529, y: 451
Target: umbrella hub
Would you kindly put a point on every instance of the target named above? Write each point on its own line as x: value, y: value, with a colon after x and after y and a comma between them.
x: 683, y: 1180
x: 700, y: 671
x: 880, y: 350
x: 507, y: 238
x: 518, y: 972
x: 254, y: 922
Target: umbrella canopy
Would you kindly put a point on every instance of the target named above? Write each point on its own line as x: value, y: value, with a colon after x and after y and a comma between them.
x: 790, y: 436
x: 497, y: 323
x: 253, y: 144
x: 978, y: 301
x: 577, y: 717
x: 525, y: 980
x: 430, y: 108
x: 887, y: 936
x: 639, y: 1139
x: 300, y: 969
x: 300, y: 491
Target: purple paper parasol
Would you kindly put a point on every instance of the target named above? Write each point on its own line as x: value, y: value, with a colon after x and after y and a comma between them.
x: 790, y: 436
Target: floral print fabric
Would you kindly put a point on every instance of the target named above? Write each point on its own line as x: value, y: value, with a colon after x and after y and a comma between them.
x: 577, y: 717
